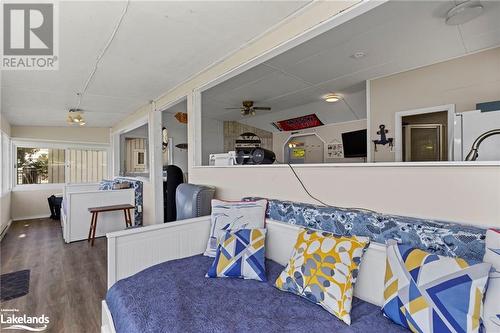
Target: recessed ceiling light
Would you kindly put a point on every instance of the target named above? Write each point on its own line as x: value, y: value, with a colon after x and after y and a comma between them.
x: 332, y: 98
x: 464, y: 12
x: 358, y: 55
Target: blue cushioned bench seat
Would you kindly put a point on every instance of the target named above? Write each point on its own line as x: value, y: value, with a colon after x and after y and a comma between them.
x: 176, y: 296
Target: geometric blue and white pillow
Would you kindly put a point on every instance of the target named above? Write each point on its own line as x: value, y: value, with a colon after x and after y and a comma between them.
x: 491, y: 312
x: 240, y: 254
x: 428, y: 293
x: 233, y: 215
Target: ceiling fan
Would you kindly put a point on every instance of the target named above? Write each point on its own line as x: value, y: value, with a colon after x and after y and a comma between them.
x: 247, y: 108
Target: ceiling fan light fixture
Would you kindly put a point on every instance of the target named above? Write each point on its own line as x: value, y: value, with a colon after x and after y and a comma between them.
x: 464, y: 12
x: 75, y: 117
x: 332, y: 98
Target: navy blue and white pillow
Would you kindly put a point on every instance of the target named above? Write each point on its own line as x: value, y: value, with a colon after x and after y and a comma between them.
x: 232, y: 216
x: 491, y: 313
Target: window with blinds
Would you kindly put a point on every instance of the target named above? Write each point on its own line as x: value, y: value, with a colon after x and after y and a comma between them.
x: 35, y: 165
x: 39, y: 165
x: 86, y: 165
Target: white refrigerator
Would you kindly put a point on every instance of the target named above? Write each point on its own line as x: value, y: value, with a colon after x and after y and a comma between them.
x: 468, y: 126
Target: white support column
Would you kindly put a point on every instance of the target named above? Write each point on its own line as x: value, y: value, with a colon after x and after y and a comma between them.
x: 369, y: 155
x: 156, y: 162
x: 115, y: 144
x: 194, y: 129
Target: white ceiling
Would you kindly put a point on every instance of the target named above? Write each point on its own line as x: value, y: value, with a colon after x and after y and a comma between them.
x: 159, y: 45
x: 396, y: 36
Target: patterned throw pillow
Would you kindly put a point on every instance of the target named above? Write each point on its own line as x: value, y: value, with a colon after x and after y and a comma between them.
x: 240, y: 254
x: 233, y: 216
x: 428, y: 293
x: 492, y: 299
x: 323, y: 269
x: 105, y: 185
x: 121, y: 185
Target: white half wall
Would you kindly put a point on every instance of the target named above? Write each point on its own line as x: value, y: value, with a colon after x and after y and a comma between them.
x: 467, y: 194
x: 5, y: 218
x: 32, y: 204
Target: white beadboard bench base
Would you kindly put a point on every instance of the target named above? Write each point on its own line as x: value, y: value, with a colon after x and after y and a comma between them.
x: 132, y: 250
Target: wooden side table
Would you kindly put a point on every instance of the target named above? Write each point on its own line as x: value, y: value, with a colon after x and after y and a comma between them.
x: 96, y: 210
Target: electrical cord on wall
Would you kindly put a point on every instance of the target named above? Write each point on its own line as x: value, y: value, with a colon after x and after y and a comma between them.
x: 318, y: 200
x: 101, y: 55
x: 305, y: 188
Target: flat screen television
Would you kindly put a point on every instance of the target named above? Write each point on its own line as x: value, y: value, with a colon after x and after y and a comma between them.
x: 354, y: 143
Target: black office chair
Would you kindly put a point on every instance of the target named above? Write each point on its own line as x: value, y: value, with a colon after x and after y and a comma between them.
x: 174, y: 178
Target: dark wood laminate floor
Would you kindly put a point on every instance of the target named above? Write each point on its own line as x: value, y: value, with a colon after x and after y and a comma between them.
x: 68, y: 281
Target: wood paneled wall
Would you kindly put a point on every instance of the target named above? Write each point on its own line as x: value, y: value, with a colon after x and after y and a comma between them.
x: 56, y: 166
x: 233, y: 129
x: 87, y: 165
x: 132, y: 144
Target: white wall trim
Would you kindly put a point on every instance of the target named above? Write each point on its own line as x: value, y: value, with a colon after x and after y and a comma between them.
x: 194, y: 134
x: 27, y: 142
x: 156, y: 163
x: 447, y: 164
x: 115, y: 152
x: 5, y: 230
x: 168, y: 105
x: 32, y: 217
x: 369, y: 157
x: 38, y: 187
x: 131, y: 126
x: 398, y: 123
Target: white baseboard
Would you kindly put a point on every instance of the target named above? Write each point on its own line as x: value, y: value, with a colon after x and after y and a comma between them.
x: 33, y: 217
x: 4, y: 231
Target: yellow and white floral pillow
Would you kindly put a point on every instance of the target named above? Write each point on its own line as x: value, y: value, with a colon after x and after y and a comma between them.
x: 323, y: 269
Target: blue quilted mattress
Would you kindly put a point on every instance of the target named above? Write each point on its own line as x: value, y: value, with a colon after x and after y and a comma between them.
x: 176, y: 296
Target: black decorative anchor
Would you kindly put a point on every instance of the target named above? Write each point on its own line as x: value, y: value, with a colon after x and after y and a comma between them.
x: 383, y: 139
